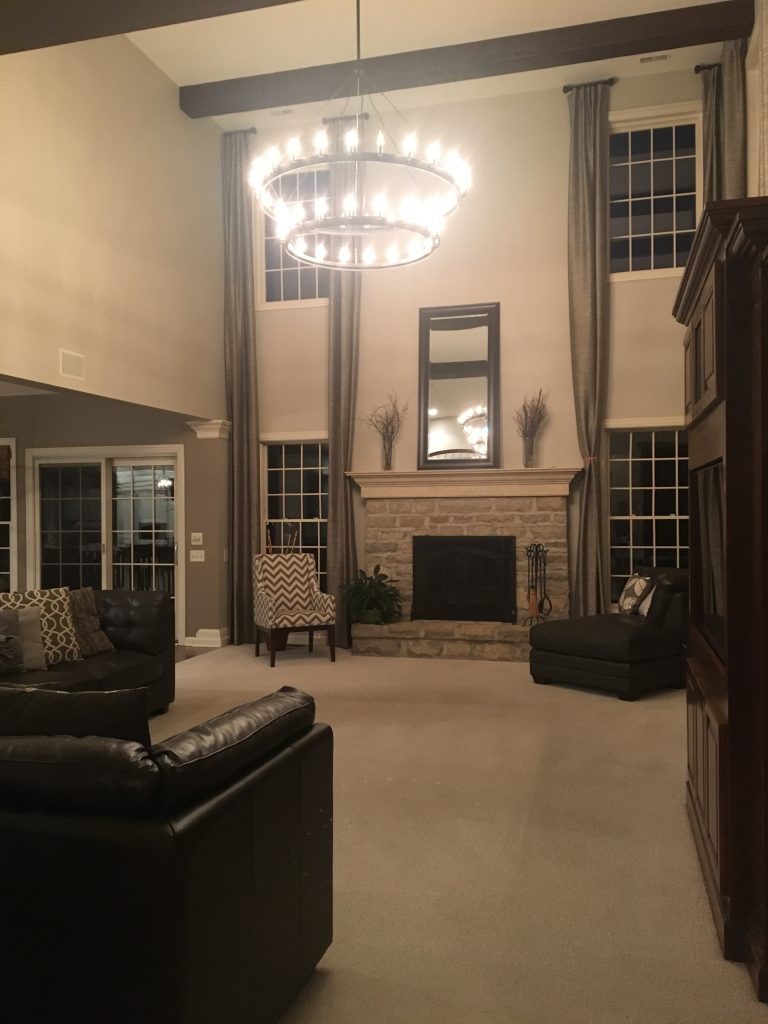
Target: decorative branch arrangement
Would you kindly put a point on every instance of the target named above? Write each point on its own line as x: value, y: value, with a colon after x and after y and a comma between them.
x: 386, y: 420
x: 529, y: 418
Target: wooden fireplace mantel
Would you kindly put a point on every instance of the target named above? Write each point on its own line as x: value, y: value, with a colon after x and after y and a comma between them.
x: 465, y: 483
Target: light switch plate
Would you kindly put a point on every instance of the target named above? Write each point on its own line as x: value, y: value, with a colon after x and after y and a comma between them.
x: 196, y: 538
x: 197, y: 556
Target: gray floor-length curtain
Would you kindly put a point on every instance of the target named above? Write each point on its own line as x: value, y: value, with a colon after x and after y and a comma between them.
x: 589, y: 308
x: 344, y: 328
x: 724, y: 148
x: 760, y: 40
x: 240, y: 362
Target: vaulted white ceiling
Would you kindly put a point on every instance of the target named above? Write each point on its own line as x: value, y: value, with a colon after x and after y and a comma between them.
x: 313, y: 32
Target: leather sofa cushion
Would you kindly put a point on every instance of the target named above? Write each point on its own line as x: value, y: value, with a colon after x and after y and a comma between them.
x: 114, y: 670
x: 134, y: 621
x: 606, y: 637
x: 202, y: 759
x: 64, y: 773
x: 119, y: 714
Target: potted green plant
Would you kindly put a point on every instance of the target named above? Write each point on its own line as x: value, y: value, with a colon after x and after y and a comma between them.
x: 372, y: 599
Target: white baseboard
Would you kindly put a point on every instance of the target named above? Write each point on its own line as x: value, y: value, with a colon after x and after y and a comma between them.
x: 208, y: 638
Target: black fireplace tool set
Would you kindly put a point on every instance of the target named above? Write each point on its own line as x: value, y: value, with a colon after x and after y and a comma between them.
x: 539, y: 604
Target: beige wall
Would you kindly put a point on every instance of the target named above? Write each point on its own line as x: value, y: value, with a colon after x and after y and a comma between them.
x: 507, y: 243
x: 72, y: 420
x: 110, y: 229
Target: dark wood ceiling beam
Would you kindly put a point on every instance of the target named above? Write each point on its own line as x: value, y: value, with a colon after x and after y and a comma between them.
x: 577, y: 44
x: 38, y: 23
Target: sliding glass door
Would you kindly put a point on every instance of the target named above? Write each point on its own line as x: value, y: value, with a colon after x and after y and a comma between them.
x: 143, y: 526
x: 70, y: 525
x: 109, y: 522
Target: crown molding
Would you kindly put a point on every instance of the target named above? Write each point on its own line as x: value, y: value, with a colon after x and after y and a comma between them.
x: 211, y: 430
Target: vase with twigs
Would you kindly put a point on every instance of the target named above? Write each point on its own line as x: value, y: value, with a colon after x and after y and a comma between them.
x: 529, y: 418
x: 386, y: 420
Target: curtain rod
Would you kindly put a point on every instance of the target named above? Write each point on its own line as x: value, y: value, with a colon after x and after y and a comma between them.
x: 242, y: 131
x: 704, y: 67
x: 604, y: 81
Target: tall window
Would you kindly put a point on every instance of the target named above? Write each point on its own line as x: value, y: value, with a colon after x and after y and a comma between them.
x: 652, y: 197
x: 297, y: 501
x: 285, y: 278
x: 5, y: 518
x: 648, y: 502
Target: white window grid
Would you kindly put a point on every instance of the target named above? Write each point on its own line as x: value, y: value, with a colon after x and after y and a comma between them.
x: 7, y: 553
x: 297, y: 501
x: 652, y: 215
x: 647, y: 502
x: 286, y: 279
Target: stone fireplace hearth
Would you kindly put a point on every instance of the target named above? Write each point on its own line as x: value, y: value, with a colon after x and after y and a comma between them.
x: 529, y: 504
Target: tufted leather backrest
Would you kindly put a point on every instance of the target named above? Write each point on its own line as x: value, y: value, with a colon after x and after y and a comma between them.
x: 135, y: 620
x: 287, y: 579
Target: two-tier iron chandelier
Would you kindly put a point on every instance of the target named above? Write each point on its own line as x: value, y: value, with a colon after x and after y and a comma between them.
x: 384, y: 206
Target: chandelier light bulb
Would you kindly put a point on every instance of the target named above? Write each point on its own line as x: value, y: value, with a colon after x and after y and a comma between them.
x: 380, y: 140
x: 409, y: 144
x: 380, y: 205
x: 321, y: 141
x: 433, y: 152
x: 320, y: 251
x: 351, y: 140
x: 369, y: 255
x: 293, y: 148
x: 321, y: 207
x: 349, y: 206
x: 273, y: 157
x: 344, y: 254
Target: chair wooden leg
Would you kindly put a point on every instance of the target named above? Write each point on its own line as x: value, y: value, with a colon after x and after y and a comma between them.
x: 272, y: 648
x: 311, y: 639
x: 332, y: 642
x: 258, y: 641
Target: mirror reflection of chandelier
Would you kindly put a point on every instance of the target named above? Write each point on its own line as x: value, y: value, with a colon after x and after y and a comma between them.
x: 383, y: 207
x: 474, y: 423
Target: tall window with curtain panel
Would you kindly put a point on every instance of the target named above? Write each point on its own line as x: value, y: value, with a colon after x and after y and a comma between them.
x: 647, y: 502
x: 655, y: 188
x: 285, y: 279
x: 297, y: 501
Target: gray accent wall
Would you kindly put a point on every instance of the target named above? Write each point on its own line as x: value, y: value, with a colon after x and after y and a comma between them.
x: 73, y: 420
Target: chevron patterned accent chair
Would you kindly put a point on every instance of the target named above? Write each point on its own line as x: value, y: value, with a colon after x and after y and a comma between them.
x: 287, y: 599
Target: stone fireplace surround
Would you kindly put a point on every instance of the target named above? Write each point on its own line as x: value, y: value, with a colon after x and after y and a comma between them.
x: 527, y: 503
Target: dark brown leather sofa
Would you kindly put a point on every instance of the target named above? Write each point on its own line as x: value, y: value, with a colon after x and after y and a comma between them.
x: 140, y: 625
x: 185, y: 883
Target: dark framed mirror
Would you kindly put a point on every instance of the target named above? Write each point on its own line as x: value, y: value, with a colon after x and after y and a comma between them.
x: 459, y: 386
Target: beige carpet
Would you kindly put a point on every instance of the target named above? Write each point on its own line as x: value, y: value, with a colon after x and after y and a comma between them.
x: 505, y: 853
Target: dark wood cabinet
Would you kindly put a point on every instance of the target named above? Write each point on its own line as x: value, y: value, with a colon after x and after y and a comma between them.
x: 723, y: 301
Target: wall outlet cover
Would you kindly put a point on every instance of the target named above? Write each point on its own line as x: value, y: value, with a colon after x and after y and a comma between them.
x: 196, y: 538
x: 197, y: 556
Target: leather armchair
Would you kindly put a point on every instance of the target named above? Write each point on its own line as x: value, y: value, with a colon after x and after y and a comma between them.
x: 186, y: 883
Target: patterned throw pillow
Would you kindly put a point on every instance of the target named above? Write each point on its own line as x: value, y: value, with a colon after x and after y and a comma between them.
x: 91, y: 639
x: 634, y: 593
x: 59, y: 639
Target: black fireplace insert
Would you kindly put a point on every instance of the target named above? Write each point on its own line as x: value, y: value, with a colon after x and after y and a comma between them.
x: 464, y: 578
